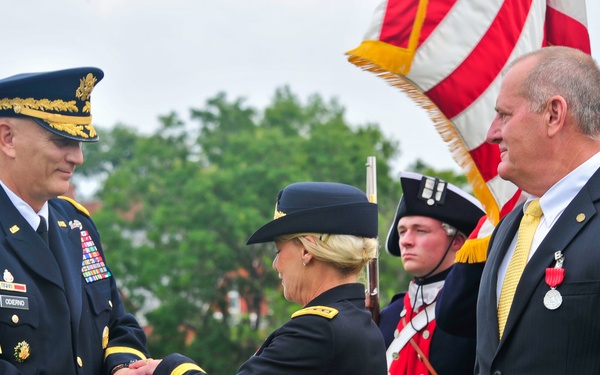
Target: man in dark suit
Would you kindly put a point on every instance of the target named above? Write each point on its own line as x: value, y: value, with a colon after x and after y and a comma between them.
x: 60, y: 310
x: 548, y: 129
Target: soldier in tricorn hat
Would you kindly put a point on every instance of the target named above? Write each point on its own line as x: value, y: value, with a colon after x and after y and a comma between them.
x: 432, y: 222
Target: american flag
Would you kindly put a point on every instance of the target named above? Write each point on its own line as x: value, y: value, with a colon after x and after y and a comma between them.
x: 448, y: 55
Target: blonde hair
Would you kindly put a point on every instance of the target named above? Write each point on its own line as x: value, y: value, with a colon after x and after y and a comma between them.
x: 345, y: 252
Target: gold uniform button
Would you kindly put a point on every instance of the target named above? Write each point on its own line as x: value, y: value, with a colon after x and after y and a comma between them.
x: 110, y: 303
x: 580, y: 217
x: 105, y: 338
x: 79, y: 362
x: 426, y: 334
x: 15, y: 319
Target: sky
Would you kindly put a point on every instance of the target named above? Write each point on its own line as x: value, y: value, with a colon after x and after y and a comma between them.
x: 160, y: 56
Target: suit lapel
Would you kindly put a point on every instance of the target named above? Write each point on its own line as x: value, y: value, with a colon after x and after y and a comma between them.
x: 500, y: 243
x: 24, y: 243
x: 571, y: 221
x: 66, y: 245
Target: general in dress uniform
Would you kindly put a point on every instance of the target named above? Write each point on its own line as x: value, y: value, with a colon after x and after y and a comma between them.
x: 60, y: 310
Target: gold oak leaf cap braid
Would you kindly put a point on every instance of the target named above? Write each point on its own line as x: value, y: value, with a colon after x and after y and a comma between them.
x: 59, y: 101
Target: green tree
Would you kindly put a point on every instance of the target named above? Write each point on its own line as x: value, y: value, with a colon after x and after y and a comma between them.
x: 179, y: 204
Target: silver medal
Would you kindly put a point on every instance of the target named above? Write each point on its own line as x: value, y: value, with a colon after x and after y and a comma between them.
x: 552, y: 299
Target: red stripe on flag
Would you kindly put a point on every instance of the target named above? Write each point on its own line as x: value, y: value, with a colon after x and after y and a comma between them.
x: 512, y: 202
x: 400, y: 17
x: 485, y: 62
x: 562, y: 30
x: 398, y: 22
x: 486, y: 157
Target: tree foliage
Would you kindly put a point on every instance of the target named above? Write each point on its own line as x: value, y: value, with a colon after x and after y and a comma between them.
x: 179, y: 204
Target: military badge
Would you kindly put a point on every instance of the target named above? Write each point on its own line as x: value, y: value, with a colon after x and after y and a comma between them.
x: 554, y: 277
x: 8, y: 284
x: 433, y: 190
x: 22, y: 351
x: 8, y: 277
x: 92, y: 264
x: 75, y: 224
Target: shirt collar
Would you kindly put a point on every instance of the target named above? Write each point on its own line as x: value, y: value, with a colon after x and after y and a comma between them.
x: 32, y: 217
x: 558, y: 197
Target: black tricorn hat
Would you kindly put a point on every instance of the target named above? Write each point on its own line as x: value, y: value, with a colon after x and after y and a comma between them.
x: 59, y: 101
x: 435, y: 198
x: 320, y: 207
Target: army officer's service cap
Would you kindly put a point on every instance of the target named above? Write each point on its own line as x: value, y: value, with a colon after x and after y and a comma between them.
x: 59, y: 101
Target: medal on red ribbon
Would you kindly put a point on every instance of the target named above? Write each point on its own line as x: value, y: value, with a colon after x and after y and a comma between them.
x: 554, y: 277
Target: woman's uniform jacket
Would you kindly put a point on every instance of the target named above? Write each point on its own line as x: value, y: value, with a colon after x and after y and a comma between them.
x: 333, y: 335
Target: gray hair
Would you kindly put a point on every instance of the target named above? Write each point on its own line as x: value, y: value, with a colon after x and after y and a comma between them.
x: 570, y: 73
x: 451, y: 231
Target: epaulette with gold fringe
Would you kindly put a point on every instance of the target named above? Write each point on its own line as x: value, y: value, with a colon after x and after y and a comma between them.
x: 78, y: 206
x: 324, y: 311
x: 473, y: 251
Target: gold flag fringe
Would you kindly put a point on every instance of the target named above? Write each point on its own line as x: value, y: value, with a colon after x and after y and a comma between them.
x: 389, y: 58
x: 442, y: 124
x: 392, y: 65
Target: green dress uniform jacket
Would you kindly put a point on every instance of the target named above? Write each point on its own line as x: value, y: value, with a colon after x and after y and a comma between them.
x: 315, y: 341
x: 60, y: 310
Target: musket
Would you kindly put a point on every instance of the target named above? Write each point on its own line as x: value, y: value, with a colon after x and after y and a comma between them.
x: 372, y: 292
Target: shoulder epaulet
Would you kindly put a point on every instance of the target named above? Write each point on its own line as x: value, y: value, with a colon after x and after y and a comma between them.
x: 324, y: 311
x: 397, y: 297
x: 78, y: 206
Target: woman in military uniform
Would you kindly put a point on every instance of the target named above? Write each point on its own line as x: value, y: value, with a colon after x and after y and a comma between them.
x: 325, y: 233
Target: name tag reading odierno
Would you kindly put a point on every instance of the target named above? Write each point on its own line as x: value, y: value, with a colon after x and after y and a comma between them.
x: 12, y: 302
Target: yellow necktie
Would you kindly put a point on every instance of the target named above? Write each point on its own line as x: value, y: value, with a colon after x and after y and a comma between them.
x: 527, y: 228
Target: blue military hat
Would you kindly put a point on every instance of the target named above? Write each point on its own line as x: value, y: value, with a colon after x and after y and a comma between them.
x: 59, y: 101
x: 320, y: 207
x: 435, y: 198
